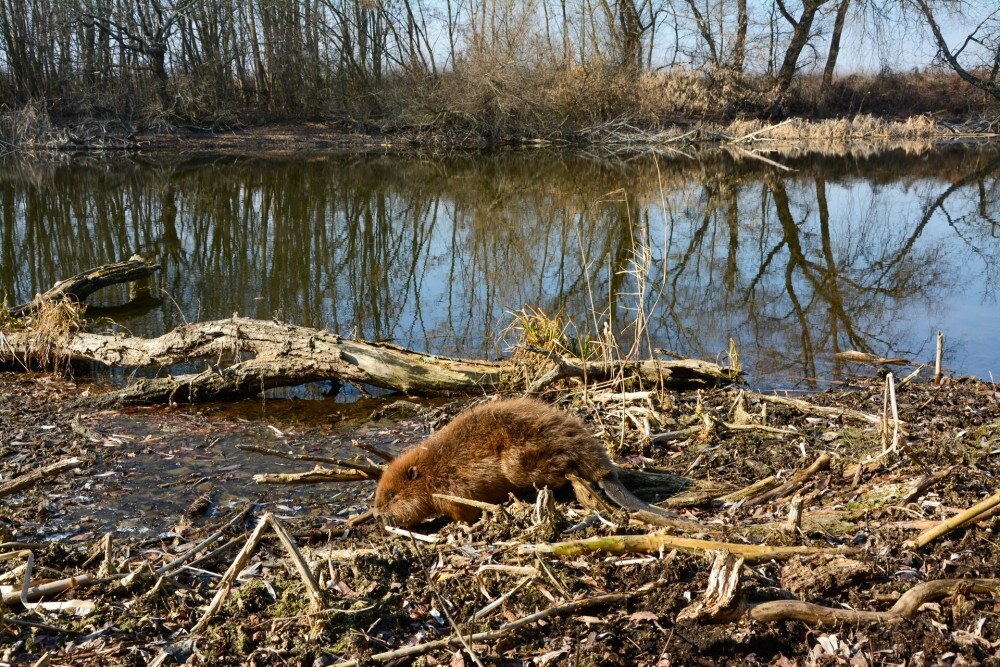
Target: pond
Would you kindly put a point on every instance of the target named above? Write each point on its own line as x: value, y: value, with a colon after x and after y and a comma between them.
x: 794, y: 255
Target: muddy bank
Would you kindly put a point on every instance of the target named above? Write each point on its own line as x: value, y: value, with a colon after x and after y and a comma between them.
x: 303, y: 137
x: 159, y: 481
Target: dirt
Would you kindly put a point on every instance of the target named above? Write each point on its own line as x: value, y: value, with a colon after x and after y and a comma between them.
x: 145, y: 468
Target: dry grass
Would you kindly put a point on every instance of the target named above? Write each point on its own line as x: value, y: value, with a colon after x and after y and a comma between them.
x: 494, y: 98
x: 843, y: 129
x: 489, y: 98
x: 29, y: 127
x: 53, y: 322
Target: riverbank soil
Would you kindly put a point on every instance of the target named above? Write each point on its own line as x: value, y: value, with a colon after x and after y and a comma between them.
x: 152, y: 484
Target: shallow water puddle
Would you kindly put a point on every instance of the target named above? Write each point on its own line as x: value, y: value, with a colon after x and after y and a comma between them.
x: 155, y: 469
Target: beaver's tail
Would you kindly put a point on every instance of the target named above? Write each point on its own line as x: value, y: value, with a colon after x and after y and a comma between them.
x: 621, y: 496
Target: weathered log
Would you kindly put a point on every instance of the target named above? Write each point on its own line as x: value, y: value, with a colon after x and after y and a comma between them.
x: 82, y: 285
x: 282, y: 355
x: 264, y: 355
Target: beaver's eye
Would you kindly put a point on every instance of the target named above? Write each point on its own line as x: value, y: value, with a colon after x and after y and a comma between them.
x: 412, y: 473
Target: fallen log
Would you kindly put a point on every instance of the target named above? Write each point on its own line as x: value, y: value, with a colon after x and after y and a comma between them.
x: 77, y: 288
x: 245, y: 357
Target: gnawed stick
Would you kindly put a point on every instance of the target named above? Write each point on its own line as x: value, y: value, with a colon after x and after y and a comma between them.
x: 29, y: 593
x: 176, y: 563
x: 809, y: 408
x: 230, y: 575
x: 372, y: 449
x: 374, y: 472
x: 32, y: 478
x: 897, y: 439
x: 795, y: 483
x: 359, y: 519
x: 312, y: 588
x: 315, y: 476
x: 926, y: 482
x: 905, y: 608
x: 873, y: 359
x: 591, y: 498
x: 629, y: 544
x: 757, y: 488
x: 938, y: 357
x: 954, y: 522
x: 503, y: 630
x: 489, y: 507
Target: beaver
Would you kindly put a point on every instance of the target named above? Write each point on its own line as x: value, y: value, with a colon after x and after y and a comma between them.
x: 493, y: 450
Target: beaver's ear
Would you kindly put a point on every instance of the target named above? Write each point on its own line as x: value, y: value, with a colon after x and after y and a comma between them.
x: 412, y: 473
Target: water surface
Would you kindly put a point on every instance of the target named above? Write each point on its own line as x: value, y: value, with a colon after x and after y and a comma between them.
x: 864, y: 251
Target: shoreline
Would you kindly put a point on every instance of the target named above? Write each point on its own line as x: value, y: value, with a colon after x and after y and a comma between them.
x: 283, y: 138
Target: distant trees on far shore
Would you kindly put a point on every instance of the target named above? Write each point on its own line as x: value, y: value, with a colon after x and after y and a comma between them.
x: 479, y: 65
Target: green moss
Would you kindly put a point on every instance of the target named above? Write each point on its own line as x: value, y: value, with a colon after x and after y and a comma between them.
x: 988, y: 433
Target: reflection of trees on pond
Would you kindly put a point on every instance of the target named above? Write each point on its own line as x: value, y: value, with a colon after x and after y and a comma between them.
x: 435, y: 253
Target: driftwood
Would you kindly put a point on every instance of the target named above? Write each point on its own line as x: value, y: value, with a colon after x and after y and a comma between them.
x: 285, y: 355
x: 906, y: 607
x: 722, y: 601
x: 315, y: 476
x: 82, y: 285
x: 28, y: 480
x: 262, y: 355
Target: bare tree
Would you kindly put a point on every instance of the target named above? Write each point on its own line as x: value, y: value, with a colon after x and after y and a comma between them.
x: 801, y: 32
x: 147, y: 32
x: 986, y: 35
x: 834, y: 52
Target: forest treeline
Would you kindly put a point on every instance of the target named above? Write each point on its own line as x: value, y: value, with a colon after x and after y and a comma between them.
x: 488, y: 67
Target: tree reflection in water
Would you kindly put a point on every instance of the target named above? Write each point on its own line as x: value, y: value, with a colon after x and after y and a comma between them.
x: 866, y: 252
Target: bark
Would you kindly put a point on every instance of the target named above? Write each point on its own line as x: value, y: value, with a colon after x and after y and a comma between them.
x: 740, y: 43
x: 705, y: 31
x: 801, y: 29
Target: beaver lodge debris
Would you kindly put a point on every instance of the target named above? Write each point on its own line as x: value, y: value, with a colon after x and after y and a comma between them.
x: 830, y: 528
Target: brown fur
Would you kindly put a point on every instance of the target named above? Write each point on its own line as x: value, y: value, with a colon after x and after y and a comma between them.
x: 487, y: 453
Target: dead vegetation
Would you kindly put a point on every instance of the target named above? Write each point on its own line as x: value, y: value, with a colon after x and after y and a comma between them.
x: 539, y: 579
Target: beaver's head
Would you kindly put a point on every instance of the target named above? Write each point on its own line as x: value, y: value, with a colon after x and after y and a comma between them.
x: 403, y: 496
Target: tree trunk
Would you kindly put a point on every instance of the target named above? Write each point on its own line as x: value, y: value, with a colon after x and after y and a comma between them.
x: 740, y: 42
x: 990, y: 85
x: 800, y: 37
x: 831, y: 58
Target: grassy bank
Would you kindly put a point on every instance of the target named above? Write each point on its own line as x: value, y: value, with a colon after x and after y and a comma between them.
x: 487, y: 106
